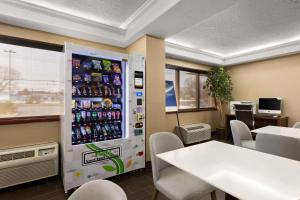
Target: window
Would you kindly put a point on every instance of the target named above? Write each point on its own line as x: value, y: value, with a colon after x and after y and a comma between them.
x: 170, y: 88
x: 191, y: 88
x: 30, y: 81
x: 205, y: 100
x: 187, y: 90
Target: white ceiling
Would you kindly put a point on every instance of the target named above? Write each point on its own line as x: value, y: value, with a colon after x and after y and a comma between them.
x: 247, y: 25
x: 221, y: 32
x: 110, y: 12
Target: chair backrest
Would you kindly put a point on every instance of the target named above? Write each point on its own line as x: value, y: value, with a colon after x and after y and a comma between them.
x: 159, y: 143
x: 99, y: 190
x: 244, y: 113
x: 296, y: 125
x: 279, y: 145
x: 240, y: 131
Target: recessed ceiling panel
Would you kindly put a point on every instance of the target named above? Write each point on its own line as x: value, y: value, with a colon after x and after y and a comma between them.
x: 110, y: 12
x: 246, y: 26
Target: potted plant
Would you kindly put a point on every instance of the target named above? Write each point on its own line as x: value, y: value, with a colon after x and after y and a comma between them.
x: 220, y: 87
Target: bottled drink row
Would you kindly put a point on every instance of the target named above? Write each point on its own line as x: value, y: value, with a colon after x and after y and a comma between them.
x: 96, y: 91
x: 88, y: 116
x: 94, y: 133
x: 95, y: 105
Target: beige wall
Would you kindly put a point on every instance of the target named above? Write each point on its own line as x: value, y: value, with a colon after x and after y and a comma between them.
x: 278, y: 77
x: 28, y: 134
x: 139, y: 46
x: 155, y: 88
x: 154, y: 51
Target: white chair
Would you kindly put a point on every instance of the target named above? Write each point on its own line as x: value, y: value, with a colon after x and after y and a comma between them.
x: 279, y: 145
x: 296, y: 125
x: 99, y: 190
x: 169, y: 180
x: 241, y: 134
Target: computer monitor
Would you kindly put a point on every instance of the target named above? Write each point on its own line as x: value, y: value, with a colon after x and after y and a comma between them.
x: 270, y: 106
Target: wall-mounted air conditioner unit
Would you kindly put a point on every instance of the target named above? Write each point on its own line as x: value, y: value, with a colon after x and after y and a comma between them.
x: 192, y: 133
x: 21, y: 165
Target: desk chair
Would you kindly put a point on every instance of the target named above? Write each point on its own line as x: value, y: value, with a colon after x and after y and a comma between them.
x: 296, y: 125
x: 279, y: 145
x: 241, y: 135
x: 169, y: 180
x: 244, y: 113
x: 99, y: 190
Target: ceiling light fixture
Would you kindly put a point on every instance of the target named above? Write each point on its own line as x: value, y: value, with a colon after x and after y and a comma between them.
x: 263, y: 47
x: 179, y: 43
x: 237, y: 53
x: 213, y: 52
x: 71, y: 12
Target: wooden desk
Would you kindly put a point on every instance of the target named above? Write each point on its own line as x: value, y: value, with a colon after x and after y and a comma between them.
x: 260, y: 121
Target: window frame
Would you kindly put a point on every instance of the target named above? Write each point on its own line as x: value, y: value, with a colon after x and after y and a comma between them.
x: 38, y: 45
x: 177, y: 83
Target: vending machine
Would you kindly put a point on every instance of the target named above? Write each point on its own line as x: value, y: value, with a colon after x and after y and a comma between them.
x: 103, y: 127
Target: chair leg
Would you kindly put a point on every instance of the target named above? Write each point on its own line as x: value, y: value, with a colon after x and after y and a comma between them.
x: 155, y: 193
x: 213, y: 195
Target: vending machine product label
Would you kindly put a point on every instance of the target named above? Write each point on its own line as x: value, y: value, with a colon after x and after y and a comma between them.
x: 92, y: 157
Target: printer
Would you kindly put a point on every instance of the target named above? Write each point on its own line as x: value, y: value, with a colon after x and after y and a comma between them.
x: 233, y: 103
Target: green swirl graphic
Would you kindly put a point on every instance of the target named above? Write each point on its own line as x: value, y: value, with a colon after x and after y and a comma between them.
x: 119, y: 165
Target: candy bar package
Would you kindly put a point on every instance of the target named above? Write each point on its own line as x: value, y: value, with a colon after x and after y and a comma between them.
x: 105, y: 79
x: 97, y: 65
x: 96, y: 104
x: 76, y: 77
x: 76, y: 63
x: 116, y: 68
x: 87, y: 78
x: 107, y: 65
x: 96, y: 77
x: 116, y: 79
x: 107, y: 103
x: 87, y: 65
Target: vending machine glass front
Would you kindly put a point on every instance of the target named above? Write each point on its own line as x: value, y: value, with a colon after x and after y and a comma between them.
x: 97, y: 99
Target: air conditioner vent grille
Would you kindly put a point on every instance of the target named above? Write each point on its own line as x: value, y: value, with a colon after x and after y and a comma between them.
x: 25, y: 164
x: 25, y: 173
x: 195, y: 128
x: 16, y: 156
x: 5, y: 157
x: 29, y: 154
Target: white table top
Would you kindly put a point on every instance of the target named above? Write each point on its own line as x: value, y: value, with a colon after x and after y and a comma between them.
x: 278, y: 130
x: 243, y: 173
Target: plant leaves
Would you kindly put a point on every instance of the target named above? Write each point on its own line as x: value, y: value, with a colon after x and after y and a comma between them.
x: 109, y: 168
x: 219, y: 84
